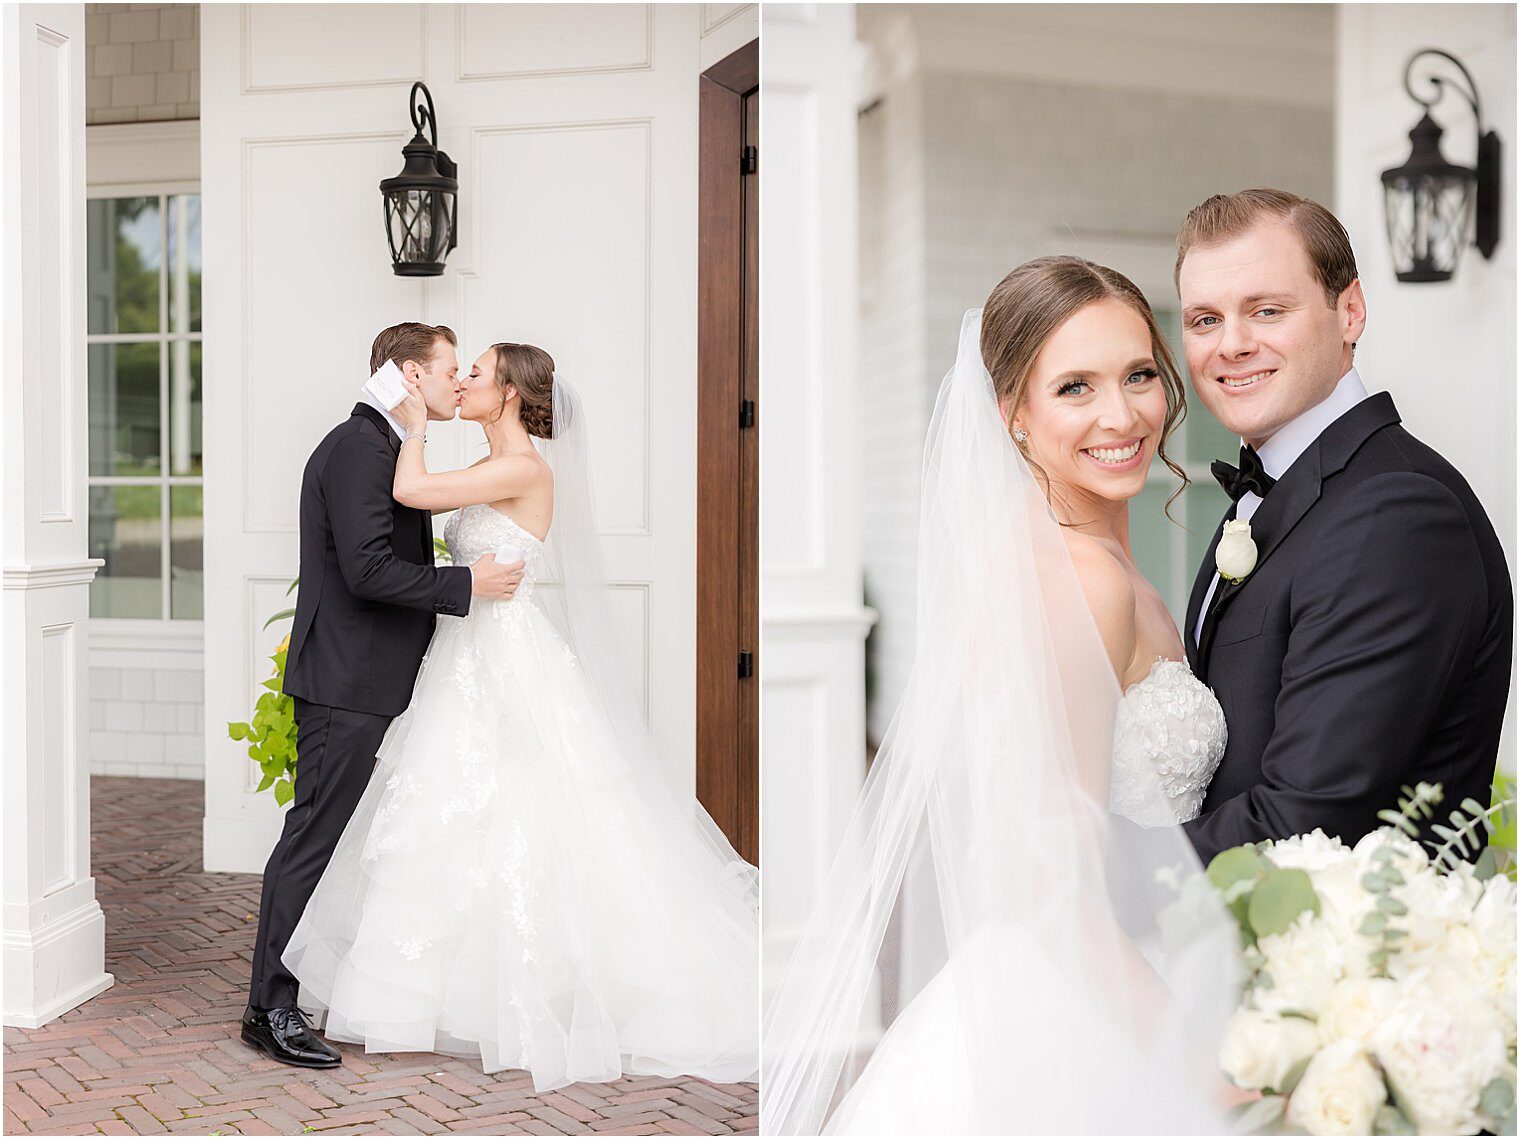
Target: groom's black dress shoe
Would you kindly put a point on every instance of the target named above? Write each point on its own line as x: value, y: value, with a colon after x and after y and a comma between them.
x: 284, y: 1035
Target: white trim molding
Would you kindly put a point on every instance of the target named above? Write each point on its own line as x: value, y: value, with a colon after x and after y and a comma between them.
x: 122, y: 158
x: 55, y: 574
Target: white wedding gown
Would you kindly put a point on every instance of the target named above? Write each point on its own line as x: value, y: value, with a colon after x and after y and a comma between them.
x: 1168, y: 726
x: 511, y: 887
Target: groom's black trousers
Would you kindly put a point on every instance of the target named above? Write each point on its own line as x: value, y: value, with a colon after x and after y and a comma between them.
x: 335, y: 756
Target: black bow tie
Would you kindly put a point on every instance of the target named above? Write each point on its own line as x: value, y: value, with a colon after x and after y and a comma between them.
x: 1251, y: 475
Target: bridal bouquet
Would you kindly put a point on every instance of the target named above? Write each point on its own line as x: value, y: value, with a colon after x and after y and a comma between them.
x: 1381, y: 997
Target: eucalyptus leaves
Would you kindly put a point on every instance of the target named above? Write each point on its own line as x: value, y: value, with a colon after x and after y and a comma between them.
x: 1381, y: 997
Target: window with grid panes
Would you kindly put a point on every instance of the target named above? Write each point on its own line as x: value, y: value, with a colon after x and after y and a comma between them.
x: 1169, y: 554
x: 144, y: 348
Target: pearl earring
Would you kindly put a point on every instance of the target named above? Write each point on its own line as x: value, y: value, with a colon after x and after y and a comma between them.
x: 1021, y: 436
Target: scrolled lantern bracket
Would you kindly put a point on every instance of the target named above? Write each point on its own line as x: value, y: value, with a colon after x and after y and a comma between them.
x: 422, y: 202
x: 1431, y: 203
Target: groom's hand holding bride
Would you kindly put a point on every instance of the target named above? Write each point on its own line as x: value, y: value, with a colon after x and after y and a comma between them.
x: 487, y: 578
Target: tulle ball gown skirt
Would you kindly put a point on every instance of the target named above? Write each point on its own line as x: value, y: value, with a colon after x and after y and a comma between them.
x: 513, y: 886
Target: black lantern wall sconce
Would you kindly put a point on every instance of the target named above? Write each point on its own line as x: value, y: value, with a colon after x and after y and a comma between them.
x: 422, y: 203
x: 1432, y: 204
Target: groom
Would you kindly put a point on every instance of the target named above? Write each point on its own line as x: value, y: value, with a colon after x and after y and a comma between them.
x: 1369, y: 647
x: 364, y: 616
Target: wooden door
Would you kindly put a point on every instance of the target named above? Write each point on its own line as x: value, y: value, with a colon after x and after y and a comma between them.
x: 728, y: 460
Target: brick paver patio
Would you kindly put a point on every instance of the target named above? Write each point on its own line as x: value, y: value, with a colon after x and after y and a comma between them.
x: 159, y: 1052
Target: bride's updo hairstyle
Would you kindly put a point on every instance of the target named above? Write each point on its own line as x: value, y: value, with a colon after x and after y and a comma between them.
x: 1032, y: 302
x: 531, y: 371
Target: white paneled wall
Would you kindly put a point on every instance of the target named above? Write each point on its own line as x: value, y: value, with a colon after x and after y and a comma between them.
x: 1446, y: 351
x: 967, y: 173
x: 144, y: 62
x: 575, y: 130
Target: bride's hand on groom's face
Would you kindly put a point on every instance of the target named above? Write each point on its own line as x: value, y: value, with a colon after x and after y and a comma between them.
x: 412, y: 412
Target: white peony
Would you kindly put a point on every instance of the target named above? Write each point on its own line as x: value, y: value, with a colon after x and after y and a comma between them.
x: 1259, y: 1049
x: 1354, y: 1008
x: 1303, y: 963
x: 1312, y: 852
x: 1336, y: 873
x: 1439, y: 1046
x: 1410, y: 857
x: 1479, y: 954
x: 1492, y: 960
x: 1340, y: 1093
x: 1437, y: 903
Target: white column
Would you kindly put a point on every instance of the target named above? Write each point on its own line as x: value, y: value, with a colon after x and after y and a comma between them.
x: 54, y: 932
x: 813, y: 622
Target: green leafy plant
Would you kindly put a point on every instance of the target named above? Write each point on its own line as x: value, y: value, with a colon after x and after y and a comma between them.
x: 271, y: 732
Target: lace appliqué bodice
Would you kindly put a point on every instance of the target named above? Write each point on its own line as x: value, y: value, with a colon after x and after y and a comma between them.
x: 477, y: 530
x: 1169, y: 737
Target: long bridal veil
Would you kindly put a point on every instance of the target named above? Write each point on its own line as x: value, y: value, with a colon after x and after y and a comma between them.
x: 981, y: 865
x: 580, y: 602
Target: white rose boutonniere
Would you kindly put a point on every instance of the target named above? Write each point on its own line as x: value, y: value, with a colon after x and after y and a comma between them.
x: 1235, y: 555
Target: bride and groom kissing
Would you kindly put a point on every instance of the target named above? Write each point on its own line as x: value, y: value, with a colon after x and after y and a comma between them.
x: 1063, y: 757
x: 482, y: 856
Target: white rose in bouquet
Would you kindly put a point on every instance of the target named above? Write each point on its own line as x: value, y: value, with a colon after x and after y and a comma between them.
x: 1439, y: 1046
x: 1354, y: 1009
x: 1261, y: 1049
x: 1340, y: 1093
x: 1303, y: 963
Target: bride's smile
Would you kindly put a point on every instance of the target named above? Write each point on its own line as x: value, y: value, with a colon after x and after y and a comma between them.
x: 1093, y: 409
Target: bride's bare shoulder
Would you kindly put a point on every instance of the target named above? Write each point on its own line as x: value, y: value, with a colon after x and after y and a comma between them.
x: 1110, y: 593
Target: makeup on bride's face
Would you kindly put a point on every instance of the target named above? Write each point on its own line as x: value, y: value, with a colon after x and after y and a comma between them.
x: 1095, y: 406
x: 471, y: 385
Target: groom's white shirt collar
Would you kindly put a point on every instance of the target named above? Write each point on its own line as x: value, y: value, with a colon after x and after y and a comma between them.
x: 385, y: 413
x: 1285, y: 447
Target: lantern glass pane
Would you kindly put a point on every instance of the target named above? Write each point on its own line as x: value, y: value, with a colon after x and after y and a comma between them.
x: 1429, y: 225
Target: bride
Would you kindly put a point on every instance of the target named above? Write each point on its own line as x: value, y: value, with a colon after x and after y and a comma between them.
x: 519, y: 881
x: 1039, y: 964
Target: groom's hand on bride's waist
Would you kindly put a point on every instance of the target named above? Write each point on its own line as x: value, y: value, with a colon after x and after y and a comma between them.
x: 493, y: 580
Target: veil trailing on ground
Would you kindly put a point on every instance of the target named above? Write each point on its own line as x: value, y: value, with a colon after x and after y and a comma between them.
x: 580, y: 604
x: 981, y: 864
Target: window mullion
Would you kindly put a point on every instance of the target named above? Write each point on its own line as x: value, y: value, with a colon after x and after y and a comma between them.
x: 163, y: 397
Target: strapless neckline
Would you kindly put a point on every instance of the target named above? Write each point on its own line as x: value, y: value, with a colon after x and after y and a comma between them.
x: 1159, y: 661
x: 523, y: 529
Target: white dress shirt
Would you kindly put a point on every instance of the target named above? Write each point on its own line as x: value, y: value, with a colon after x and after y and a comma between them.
x: 394, y: 424
x: 1285, y: 447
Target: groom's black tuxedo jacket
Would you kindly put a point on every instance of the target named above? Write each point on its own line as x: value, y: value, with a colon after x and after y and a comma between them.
x: 369, y: 589
x: 1369, y: 648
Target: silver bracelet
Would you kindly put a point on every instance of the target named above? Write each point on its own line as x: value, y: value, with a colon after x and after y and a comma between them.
x: 411, y: 433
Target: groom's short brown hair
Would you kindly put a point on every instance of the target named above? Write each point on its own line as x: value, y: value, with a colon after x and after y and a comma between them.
x: 1325, y: 241
x: 408, y: 342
